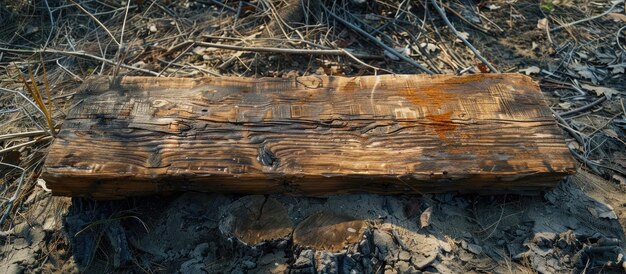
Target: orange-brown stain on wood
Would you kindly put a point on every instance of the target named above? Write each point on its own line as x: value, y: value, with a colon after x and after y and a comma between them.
x: 350, y: 86
x: 442, y: 123
x: 430, y: 96
x: 434, y: 99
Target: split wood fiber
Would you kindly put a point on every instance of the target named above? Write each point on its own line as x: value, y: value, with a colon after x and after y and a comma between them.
x: 312, y: 135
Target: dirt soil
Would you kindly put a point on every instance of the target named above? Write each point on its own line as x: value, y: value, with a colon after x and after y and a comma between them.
x: 578, y: 227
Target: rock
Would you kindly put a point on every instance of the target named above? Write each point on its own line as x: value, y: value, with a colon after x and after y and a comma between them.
x: 272, y: 263
x: 192, y: 266
x: 544, y: 239
x: 282, y: 244
x: 364, y: 247
x: 255, y: 219
x: 465, y: 255
x: 404, y: 256
x: 390, y: 270
x: 349, y: 265
x: 368, y: 265
x: 200, y: 251
x: 385, y: 245
x: 422, y: 262
x: 248, y: 264
x: 445, y: 246
x: 602, y: 210
x: 476, y: 249
x: 326, y: 262
x: 305, y: 259
x: 404, y: 267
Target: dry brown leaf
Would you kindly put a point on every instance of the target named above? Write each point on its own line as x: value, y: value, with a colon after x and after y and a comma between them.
x: 542, y: 23
x: 608, y: 92
x: 565, y: 105
x: 425, y: 217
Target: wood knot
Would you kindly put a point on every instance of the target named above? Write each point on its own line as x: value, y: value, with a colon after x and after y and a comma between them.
x: 266, y: 156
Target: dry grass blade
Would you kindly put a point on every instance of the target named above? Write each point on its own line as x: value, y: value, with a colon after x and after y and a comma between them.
x: 442, y: 13
x: 34, y: 92
x: 95, y: 20
x: 45, y: 81
x: 378, y: 42
x: 78, y: 54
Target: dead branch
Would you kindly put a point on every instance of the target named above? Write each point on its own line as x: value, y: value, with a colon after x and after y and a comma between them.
x: 339, y: 52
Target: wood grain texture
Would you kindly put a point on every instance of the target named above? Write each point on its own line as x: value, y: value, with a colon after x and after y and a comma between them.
x: 307, y: 135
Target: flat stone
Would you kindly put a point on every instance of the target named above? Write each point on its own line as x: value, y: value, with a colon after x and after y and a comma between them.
x: 329, y: 231
x: 256, y: 219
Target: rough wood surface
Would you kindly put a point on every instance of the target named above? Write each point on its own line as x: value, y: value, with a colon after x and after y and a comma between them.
x: 307, y: 135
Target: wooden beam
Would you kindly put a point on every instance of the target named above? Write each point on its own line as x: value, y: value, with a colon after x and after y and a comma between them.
x: 311, y: 135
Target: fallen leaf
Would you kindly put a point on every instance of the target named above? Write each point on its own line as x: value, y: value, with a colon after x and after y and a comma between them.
x: 584, y: 71
x: 566, y: 105
x: 542, y: 23
x: 425, y: 217
x: 530, y: 70
x: 608, y: 92
x: 586, y: 74
x: 429, y: 47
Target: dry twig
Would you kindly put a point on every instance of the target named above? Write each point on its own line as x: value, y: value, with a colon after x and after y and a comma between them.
x: 442, y: 13
x: 378, y: 42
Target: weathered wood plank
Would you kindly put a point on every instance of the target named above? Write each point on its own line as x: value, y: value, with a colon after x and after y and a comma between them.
x: 308, y: 135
